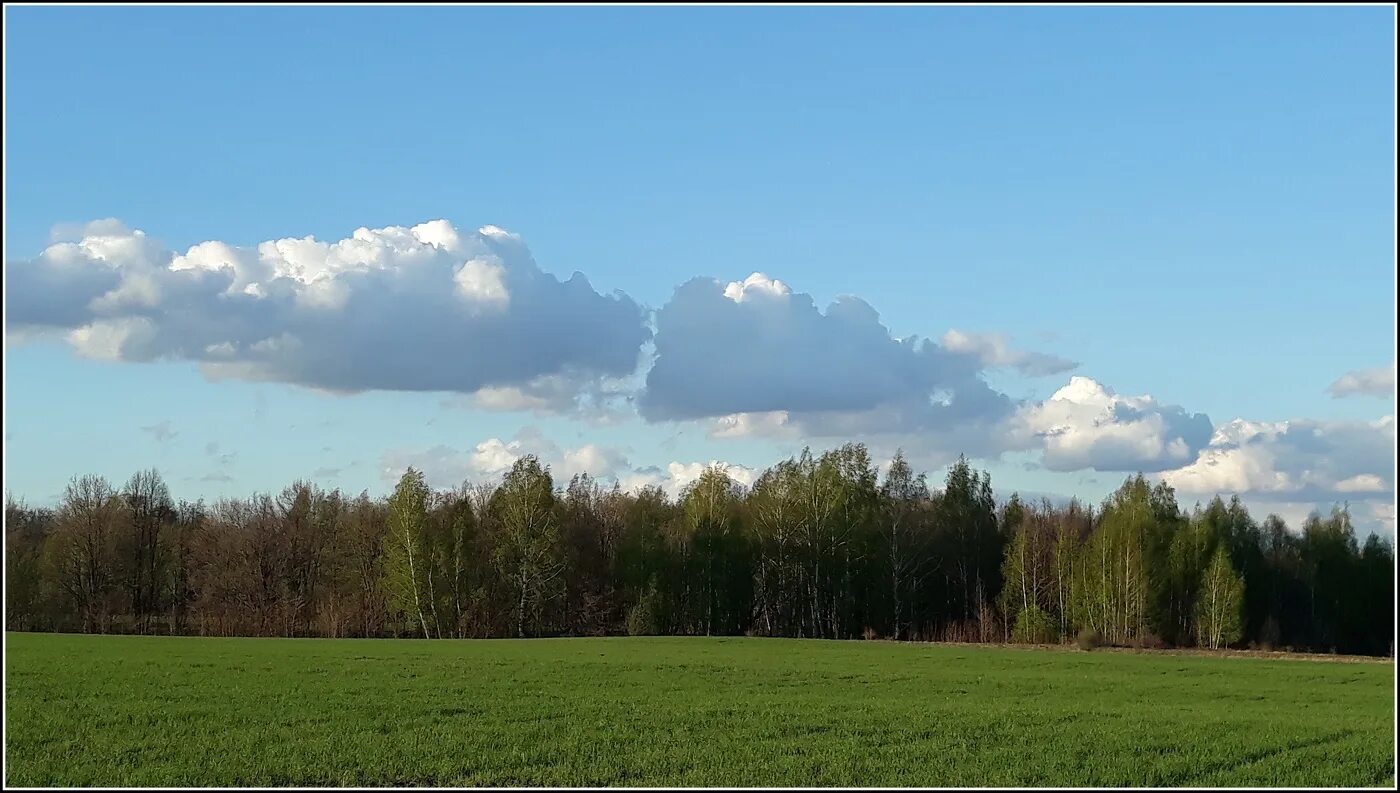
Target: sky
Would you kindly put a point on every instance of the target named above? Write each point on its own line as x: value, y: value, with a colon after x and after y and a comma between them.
x: 251, y: 245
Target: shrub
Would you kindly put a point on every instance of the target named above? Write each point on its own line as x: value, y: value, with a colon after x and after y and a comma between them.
x: 640, y: 619
x: 1088, y: 639
x: 1033, y: 626
x: 644, y: 618
x: 1150, y: 641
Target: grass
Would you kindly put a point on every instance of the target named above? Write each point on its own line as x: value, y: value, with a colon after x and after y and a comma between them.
x: 118, y: 711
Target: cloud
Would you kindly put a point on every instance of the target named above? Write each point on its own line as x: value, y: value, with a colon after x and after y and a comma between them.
x: 445, y: 466
x: 597, y: 400
x: 426, y: 307
x: 1368, y: 517
x: 162, y: 431
x: 994, y: 351
x: 1083, y: 425
x: 759, y: 360
x: 674, y: 478
x: 772, y: 424
x: 1382, y: 515
x: 757, y: 347
x: 1302, y: 460
x: 1086, y: 425
x: 1377, y: 382
x: 223, y: 458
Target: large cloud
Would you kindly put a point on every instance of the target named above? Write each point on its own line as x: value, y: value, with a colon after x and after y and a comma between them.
x: 755, y: 346
x: 1086, y: 425
x: 416, y: 308
x: 760, y: 360
x: 1296, y: 461
x: 1377, y: 382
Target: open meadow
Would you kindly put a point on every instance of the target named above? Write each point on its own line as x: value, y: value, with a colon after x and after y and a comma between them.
x: 119, y: 710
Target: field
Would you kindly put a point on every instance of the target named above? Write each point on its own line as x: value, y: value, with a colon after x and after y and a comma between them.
x: 84, y: 710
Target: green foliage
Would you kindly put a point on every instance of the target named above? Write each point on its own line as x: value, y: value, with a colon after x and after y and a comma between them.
x: 1034, y: 626
x: 816, y: 548
x: 678, y: 712
x: 646, y: 617
x: 406, y: 561
x: 529, y: 554
x: 1219, y: 604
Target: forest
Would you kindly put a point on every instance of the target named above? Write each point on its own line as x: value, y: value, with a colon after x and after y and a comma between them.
x: 820, y: 546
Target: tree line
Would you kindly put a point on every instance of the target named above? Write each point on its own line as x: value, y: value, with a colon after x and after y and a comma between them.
x: 819, y: 546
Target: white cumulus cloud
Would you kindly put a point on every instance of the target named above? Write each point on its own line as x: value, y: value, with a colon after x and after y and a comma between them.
x: 674, y: 478
x: 758, y: 347
x: 426, y: 307
x: 1086, y: 425
x: 1297, y: 461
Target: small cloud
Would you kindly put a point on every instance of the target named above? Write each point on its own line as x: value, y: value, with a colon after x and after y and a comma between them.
x: 212, y: 449
x: 1377, y: 382
x: 161, y: 431
x: 75, y: 232
x: 446, y: 466
x: 216, y: 476
x: 772, y: 424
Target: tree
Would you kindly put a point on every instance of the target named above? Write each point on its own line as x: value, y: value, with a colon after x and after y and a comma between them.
x: 1115, y: 574
x: 82, y: 553
x: 1190, y: 554
x: 717, y: 553
x: 361, y: 537
x: 1220, y: 604
x: 454, y: 550
x: 1072, y: 526
x: 1027, y: 596
x: 25, y: 531
x: 966, y: 517
x: 905, y: 499
x: 818, y: 547
x: 775, y: 521
x: 405, y: 558
x: 528, y: 552
x: 149, y: 513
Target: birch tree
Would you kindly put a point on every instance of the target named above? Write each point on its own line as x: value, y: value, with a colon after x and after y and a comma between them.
x: 405, y: 557
x: 528, y: 553
x: 1220, y: 604
x: 905, y: 499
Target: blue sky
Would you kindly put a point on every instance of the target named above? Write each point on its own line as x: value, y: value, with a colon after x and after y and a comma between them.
x: 1195, y: 204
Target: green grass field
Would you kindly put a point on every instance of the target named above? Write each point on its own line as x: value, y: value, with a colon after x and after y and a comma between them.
x: 86, y: 710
